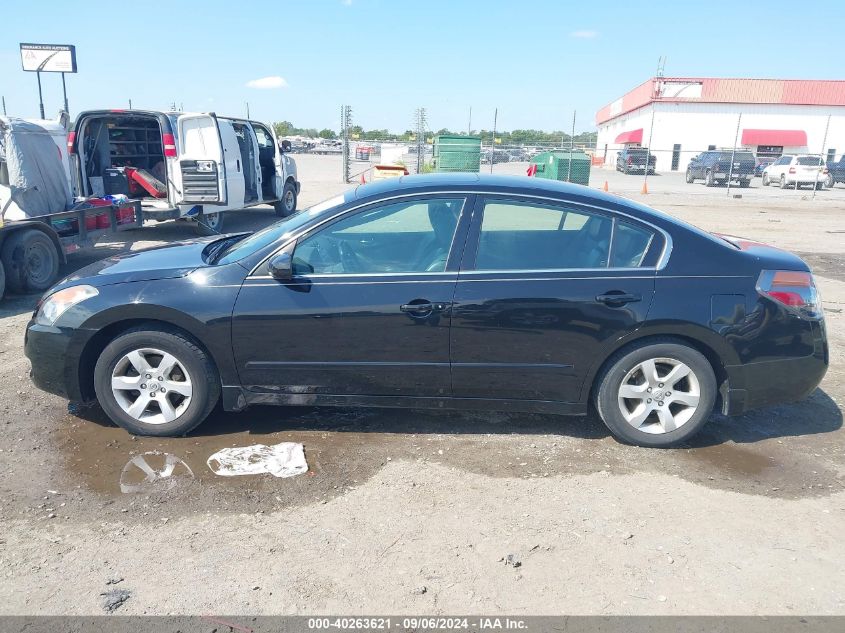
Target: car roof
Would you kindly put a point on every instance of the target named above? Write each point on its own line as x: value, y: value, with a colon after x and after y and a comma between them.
x: 515, y: 185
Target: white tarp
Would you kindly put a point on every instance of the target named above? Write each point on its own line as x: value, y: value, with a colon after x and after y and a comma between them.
x: 280, y: 460
x: 38, y: 173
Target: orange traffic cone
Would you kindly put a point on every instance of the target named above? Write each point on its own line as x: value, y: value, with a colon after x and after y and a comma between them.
x: 644, y: 190
x: 605, y: 186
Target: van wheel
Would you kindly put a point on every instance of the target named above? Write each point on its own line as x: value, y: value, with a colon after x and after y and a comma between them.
x: 31, y: 261
x: 154, y: 382
x: 209, y: 223
x: 657, y: 394
x: 287, y: 205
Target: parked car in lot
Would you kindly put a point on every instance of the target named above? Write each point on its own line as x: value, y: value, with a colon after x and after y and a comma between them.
x: 456, y: 290
x: 719, y: 166
x: 792, y: 170
x: 835, y: 171
x: 762, y: 163
x: 634, y: 159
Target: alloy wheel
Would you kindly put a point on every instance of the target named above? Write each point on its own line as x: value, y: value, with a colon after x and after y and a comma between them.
x: 659, y: 395
x: 151, y: 385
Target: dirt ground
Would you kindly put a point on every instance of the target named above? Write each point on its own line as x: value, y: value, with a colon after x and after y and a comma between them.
x: 417, y: 512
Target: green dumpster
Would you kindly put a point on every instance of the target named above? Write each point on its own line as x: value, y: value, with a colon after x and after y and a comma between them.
x: 457, y: 153
x: 563, y: 165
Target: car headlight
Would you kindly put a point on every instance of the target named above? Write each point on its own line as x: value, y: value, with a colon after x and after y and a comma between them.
x: 57, y: 303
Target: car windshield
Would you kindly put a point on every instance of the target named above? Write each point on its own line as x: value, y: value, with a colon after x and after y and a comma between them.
x: 809, y: 160
x: 277, y: 231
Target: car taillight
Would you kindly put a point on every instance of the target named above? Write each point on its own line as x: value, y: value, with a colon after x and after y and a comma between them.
x: 792, y: 170
x: 169, y: 144
x: 794, y: 289
x: 71, y: 139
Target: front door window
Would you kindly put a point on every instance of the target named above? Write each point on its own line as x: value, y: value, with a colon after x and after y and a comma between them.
x: 412, y: 236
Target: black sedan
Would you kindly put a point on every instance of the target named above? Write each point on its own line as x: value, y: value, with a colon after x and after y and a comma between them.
x: 458, y: 291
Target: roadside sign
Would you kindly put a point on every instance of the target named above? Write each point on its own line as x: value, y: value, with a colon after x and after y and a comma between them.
x: 48, y: 58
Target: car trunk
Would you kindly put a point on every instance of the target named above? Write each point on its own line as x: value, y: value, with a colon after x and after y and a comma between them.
x: 122, y: 153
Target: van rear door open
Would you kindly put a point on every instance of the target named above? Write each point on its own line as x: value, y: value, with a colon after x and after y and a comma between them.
x: 201, y: 160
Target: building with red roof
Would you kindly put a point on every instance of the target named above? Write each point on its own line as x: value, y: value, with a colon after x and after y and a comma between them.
x: 680, y: 117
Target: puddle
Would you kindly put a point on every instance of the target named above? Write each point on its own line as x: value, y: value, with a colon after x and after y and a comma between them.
x: 732, y: 459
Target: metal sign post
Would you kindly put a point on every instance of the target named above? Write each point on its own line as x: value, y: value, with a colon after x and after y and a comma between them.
x: 49, y: 58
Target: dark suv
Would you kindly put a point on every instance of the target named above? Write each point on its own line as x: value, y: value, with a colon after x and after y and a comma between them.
x: 633, y: 159
x: 835, y: 171
x: 715, y: 167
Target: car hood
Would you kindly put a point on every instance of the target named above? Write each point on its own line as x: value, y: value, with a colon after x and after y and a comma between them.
x: 162, y: 262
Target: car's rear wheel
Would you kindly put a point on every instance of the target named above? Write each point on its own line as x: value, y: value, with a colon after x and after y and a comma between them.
x: 156, y: 382
x: 657, y: 394
x: 744, y: 182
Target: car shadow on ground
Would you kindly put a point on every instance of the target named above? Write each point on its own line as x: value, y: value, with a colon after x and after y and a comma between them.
x: 817, y: 414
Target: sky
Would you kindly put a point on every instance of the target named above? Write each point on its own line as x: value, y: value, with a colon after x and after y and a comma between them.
x: 301, y: 60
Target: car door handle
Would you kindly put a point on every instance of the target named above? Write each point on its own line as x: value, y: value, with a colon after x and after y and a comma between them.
x: 416, y: 308
x: 618, y: 298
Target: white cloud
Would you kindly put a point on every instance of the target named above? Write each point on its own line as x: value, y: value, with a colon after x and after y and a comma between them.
x: 267, y: 83
x: 584, y: 35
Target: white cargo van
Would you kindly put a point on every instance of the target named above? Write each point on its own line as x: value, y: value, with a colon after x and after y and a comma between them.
x: 182, y: 165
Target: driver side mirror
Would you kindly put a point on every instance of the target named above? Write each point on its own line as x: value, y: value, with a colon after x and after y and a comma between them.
x: 281, y: 267
x: 286, y: 146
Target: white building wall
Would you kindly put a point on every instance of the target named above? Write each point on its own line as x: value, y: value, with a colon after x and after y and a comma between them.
x: 696, y: 126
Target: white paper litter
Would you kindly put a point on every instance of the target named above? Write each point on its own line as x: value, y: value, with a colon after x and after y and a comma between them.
x: 280, y: 460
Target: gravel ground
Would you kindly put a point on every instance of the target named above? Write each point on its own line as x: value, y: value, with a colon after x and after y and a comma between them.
x: 418, y: 511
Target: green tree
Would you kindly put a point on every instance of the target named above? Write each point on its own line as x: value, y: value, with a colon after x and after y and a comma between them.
x: 327, y: 133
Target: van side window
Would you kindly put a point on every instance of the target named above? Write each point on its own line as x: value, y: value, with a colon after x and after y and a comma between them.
x: 264, y: 138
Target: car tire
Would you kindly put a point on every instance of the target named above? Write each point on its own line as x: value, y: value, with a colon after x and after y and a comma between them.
x: 209, y: 223
x: 766, y: 181
x: 665, y: 424
x: 30, y: 260
x: 782, y: 181
x: 192, y: 377
x: 690, y: 178
x: 708, y: 179
x: 744, y: 183
x: 287, y: 205
x: 830, y: 181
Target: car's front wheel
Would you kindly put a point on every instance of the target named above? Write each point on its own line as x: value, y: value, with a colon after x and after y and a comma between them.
x: 657, y: 394
x: 690, y: 179
x: 830, y: 181
x: 765, y: 179
x: 709, y: 180
x: 156, y: 382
